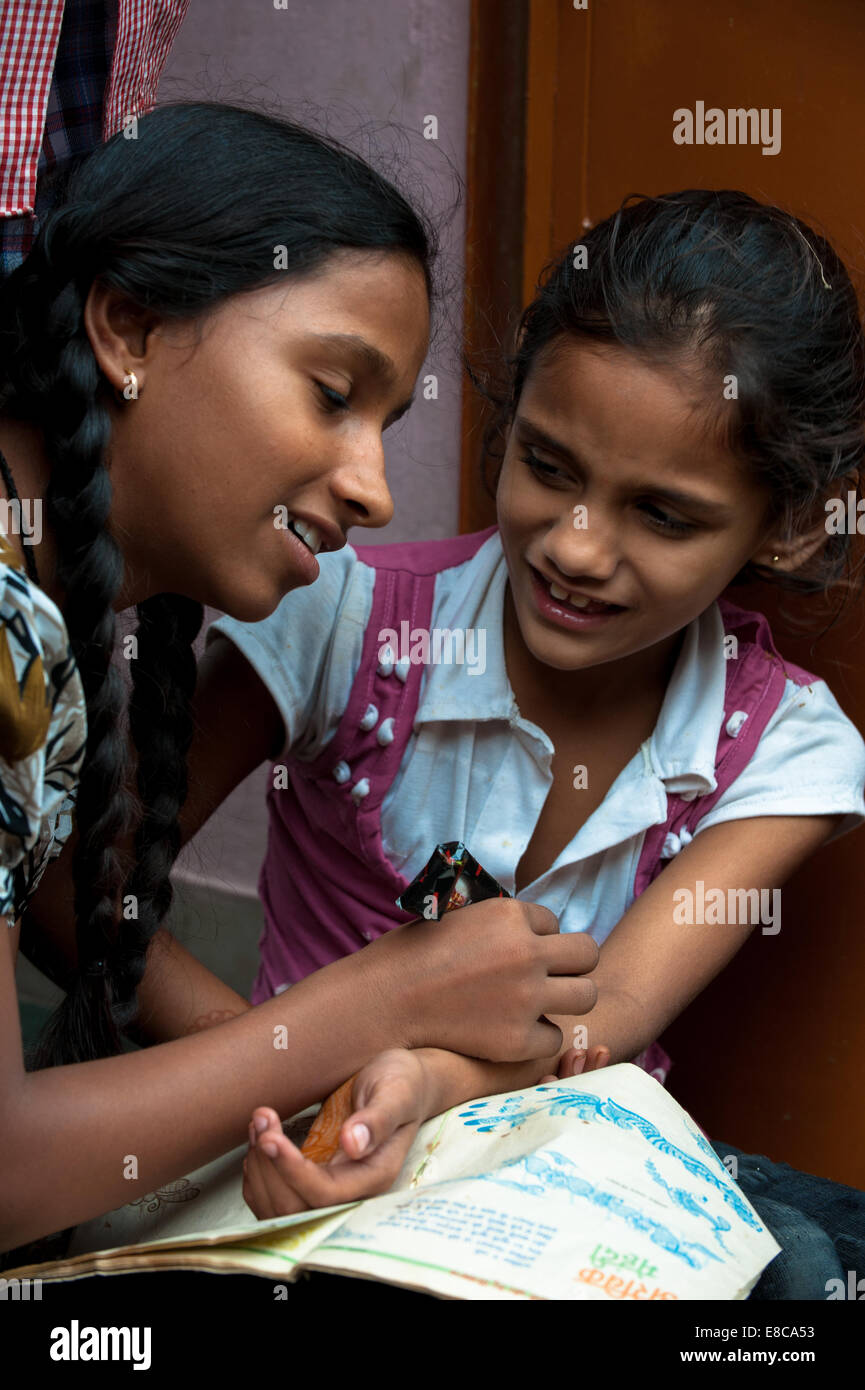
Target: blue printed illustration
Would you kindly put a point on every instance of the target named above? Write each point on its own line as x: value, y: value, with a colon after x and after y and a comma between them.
x: 702, y: 1143
x: 488, y: 1118
x: 538, y: 1173
x: 691, y: 1203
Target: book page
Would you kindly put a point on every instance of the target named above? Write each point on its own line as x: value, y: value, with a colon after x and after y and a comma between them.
x: 597, y: 1187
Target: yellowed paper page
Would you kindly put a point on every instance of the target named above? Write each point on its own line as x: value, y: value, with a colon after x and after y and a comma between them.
x: 599, y: 1187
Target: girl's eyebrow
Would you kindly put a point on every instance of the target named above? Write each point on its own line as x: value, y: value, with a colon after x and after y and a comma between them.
x: 705, y: 506
x: 373, y: 359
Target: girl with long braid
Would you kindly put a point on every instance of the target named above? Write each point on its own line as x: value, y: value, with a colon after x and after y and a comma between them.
x: 177, y: 357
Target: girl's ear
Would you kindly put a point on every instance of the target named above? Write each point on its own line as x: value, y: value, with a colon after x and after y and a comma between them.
x: 118, y: 330
x: 795, y: 552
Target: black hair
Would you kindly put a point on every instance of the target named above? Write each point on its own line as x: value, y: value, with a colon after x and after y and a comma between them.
x: 750, y: 292
x: 205, y: 202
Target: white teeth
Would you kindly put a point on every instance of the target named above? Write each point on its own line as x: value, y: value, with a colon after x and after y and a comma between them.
x: 575, y: 600
x: 309, y: 534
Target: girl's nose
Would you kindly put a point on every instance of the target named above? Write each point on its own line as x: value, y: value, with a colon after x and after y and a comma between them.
x: 583, y: 544
x: 360, y: 484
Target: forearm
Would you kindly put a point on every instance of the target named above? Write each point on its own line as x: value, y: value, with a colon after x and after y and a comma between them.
x: 177, y: 1106
x: 178, y: 995
x: 617, y: 1021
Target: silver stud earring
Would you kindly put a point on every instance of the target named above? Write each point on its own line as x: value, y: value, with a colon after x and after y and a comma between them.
x: 130, y: 386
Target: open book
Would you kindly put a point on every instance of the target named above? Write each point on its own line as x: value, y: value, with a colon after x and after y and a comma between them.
x: 597, y: 1187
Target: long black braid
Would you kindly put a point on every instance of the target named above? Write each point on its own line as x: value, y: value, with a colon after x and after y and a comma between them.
x: 179, y: 219
x: 160, y: 721
x: 76, y: 429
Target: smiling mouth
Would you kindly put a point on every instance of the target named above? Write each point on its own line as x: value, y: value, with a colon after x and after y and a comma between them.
x: 306, y: 532
x: 576, y: 600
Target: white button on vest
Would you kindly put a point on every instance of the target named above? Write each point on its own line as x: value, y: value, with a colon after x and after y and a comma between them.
x: 674, y: 843
x: 735, y: 722
x: 370, y: 718
x: 402, y: 668
x: 342, y: 772
x: 360, y: 789
x: 386, y: 661
x: 385, y: 734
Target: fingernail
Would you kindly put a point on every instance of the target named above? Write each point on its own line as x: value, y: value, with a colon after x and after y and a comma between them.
x: 361, y: 1137
x: 579, y: 1054
x: 270, y: 1149
x: 260, y: 1123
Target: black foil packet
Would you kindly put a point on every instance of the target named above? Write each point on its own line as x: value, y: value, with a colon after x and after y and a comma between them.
x: 451, y: 878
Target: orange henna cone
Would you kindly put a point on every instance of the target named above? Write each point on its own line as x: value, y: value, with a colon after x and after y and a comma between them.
x: 322, y: 1141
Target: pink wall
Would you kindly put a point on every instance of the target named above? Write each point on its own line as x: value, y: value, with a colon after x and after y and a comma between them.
x: 353, y: 69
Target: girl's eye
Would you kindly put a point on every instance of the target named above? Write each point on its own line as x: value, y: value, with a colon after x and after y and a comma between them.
x: 333, y: 398
x: 665, y: 522
x: 547, y: 471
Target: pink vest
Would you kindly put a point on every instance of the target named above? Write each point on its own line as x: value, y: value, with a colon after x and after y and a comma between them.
x: 327, y: 887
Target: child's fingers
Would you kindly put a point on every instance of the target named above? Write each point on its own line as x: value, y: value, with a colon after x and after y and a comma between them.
x: 392, y: 1105
x: 598, y: 1057
x: 255, y: 1193
x: 342, y: 1180
x: 302, y: 1182
x: 572, y: 1062
x: 576, y: 1061
x: 274, y: 1157
x: 322, y: 1141
x: 263, y: 1117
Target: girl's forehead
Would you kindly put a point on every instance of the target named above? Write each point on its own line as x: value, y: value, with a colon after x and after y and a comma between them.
x: 615, y: 385
x: 611, y: 409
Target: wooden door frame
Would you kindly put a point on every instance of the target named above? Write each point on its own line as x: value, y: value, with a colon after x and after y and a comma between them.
x: 495, y: 177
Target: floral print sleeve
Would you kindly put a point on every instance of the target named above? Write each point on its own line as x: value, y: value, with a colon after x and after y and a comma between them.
x: 43, y: 733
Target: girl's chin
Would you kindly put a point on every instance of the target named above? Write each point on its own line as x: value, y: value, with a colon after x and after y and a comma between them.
x: 561, y: 643
x: 252, y: 606
x: 264, y: 592
x: 548, y: 647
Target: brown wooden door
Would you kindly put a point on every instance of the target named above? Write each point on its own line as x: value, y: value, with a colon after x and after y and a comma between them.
x: 771, y: 1056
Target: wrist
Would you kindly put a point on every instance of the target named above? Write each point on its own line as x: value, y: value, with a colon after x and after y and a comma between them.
x: 453, y: 1079
x: 441, y: 1070
x: 443, y: 1074
x: 388, y: 994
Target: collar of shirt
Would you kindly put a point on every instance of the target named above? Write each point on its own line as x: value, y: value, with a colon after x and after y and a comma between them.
x: 678, y: 757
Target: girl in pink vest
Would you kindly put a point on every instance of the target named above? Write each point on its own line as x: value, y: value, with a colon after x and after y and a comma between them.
x: 569, y: 693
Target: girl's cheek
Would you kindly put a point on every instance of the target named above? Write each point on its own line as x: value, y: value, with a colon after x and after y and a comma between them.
x: 505, y: 500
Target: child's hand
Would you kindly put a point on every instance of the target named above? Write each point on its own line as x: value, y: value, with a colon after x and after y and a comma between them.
x: 391, y: 1097
x: 578, y: 1060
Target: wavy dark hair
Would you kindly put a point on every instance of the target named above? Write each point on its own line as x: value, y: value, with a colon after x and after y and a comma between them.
x: 178, y: 219
x: 744, y: 289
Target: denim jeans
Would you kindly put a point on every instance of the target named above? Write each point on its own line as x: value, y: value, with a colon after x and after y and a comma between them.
x: 820, y: 1226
